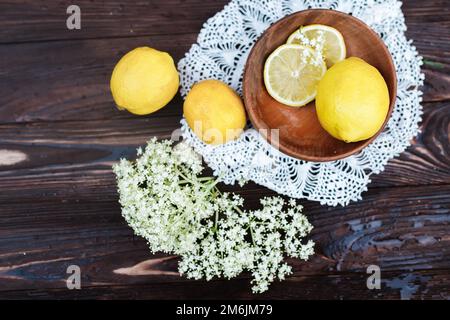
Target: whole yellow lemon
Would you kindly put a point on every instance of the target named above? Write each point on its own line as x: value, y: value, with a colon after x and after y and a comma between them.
x: 214, y: 112
x: 352, y: 100
x: 144, y: 81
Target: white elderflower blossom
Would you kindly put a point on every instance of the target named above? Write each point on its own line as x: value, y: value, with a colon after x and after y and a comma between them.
x: 317, y: 44
x: 166, y: 202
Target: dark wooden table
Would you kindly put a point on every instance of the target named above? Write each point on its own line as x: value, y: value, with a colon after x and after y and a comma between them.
x: 60, y: 134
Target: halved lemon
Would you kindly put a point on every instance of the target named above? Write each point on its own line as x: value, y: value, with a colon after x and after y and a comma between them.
x: 334, y: 49
x: 291, y: 75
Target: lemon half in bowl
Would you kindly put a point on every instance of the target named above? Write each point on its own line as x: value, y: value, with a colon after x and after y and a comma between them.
x: 291, y: 75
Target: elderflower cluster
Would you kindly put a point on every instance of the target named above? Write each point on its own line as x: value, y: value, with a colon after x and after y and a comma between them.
x: 166, y: 201
x: 317, y: 44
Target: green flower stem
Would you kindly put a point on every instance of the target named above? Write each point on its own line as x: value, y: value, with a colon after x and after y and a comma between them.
x: 188, y: 180
x: 251, y: 233
x: 206, y: 179
x: 216, y: 221
x: 212, y: 185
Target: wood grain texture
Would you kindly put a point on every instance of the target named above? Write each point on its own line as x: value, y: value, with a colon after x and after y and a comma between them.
x: 426, y: 161
x: 395, y: 285
x: 69, y: 80
x: 41, y: 20
x: 66, y: 160
x: 40, y: 240
x: 60, y: 134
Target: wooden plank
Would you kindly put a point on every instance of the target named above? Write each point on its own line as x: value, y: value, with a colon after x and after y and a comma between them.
x: 434, y: 11
x: 46, y: 20
x: 71, y: 160
x: 394, y: 285
x: 49, y: 157
x: 429, y: 27
x: 426, y: 161
x: 69, y: 80
x: 29, y: 20
x: 40, y: 239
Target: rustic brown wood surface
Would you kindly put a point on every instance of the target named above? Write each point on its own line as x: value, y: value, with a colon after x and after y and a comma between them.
x: 60, y: 134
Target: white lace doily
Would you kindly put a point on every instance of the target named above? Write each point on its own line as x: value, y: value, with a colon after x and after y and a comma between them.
x: 221, y: 52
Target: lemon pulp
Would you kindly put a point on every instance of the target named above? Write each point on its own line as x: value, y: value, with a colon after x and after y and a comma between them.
x: 334, y: 48
x: 290, y: 75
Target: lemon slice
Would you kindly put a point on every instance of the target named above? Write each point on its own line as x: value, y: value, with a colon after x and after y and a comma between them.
x: 334, y: 49
x: 291, y: 74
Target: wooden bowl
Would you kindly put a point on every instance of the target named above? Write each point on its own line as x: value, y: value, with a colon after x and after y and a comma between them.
x: 300, y: 133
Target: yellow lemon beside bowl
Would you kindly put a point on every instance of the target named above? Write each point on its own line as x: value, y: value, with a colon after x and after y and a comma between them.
x: 144, y: 81
x: 352, y: 100
x: 214, y: 112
